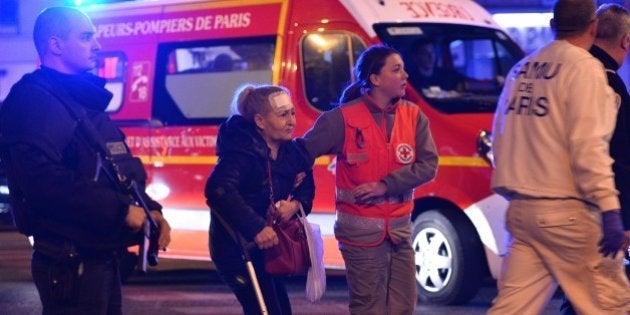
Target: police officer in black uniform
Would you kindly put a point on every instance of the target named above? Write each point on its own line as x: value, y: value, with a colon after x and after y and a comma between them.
x: 63, y: 189
x: 611, y: 47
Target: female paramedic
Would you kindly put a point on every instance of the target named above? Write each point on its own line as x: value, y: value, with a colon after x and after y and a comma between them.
x: 384, y: 149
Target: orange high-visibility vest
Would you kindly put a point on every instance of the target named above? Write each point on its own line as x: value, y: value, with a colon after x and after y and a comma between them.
x: 367, y: 156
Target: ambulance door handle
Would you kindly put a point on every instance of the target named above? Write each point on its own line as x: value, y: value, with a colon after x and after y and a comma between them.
x: 156, y: 123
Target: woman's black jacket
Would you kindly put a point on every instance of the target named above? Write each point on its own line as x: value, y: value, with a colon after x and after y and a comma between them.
x: 238, y: 188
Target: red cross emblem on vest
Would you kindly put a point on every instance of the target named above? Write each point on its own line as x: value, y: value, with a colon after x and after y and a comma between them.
x: 405, y: 153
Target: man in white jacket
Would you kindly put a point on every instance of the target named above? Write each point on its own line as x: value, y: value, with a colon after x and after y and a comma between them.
x: 551, y: 132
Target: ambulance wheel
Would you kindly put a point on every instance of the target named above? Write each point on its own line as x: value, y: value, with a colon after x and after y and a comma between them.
x: 448, y: 257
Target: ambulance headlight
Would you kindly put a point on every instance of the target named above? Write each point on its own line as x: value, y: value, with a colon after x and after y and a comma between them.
x: 4, y: 196
x: 158, y: 191
x: 484, y: 146
x: 4, y: 189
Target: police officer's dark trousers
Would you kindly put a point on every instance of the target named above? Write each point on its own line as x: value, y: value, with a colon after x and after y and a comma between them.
x: 91, y: 285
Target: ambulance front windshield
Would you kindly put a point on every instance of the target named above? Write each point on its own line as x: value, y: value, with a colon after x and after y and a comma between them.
x: 454, y: 68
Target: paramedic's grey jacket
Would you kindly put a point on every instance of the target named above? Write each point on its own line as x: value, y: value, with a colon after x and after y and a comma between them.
x: 561, y: 117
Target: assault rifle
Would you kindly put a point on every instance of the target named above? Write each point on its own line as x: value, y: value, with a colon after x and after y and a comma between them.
x: 148, y: 253
x: 124, y: 173
x: 149, y: 245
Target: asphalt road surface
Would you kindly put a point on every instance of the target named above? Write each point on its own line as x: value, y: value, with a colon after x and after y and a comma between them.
x: 183, y: 287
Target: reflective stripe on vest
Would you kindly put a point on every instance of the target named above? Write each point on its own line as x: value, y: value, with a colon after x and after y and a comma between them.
x: 345, y: 195
x: 366, y: 232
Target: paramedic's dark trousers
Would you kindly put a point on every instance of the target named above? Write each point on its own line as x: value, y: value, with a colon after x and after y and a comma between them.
x: 381, y: 279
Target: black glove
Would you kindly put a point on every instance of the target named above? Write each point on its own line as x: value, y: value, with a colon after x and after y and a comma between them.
x: 612, y: 234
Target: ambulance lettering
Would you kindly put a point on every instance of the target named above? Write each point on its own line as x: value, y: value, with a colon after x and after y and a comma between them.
x: 145, y: 27
x: 169, y: 142
x: 223, y: 21
x: 114, y: 30
x: 175, y: 25
x: 425, y: 9
x: 235, y: 20
x: 163, y: 26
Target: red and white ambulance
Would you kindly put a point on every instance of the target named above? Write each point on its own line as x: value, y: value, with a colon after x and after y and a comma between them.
x: 175, y: 64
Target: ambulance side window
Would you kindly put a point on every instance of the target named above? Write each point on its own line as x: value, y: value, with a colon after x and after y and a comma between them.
x: 327, y: 61
x: 476, y: 59
x: 196, y: 81
x: 111, y: 66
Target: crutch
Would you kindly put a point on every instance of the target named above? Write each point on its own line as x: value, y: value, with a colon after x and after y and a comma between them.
x: 248, y: 261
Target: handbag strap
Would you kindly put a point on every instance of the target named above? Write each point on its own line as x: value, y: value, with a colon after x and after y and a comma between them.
x: 271, y: 209
x: 270, y: 181
x: 301, y: 210
x: 272, y: 205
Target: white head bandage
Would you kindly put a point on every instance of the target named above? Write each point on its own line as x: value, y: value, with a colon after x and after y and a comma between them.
x: 280, y: 102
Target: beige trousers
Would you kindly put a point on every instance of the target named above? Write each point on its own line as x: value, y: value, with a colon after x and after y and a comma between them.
x: 555, y: 241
